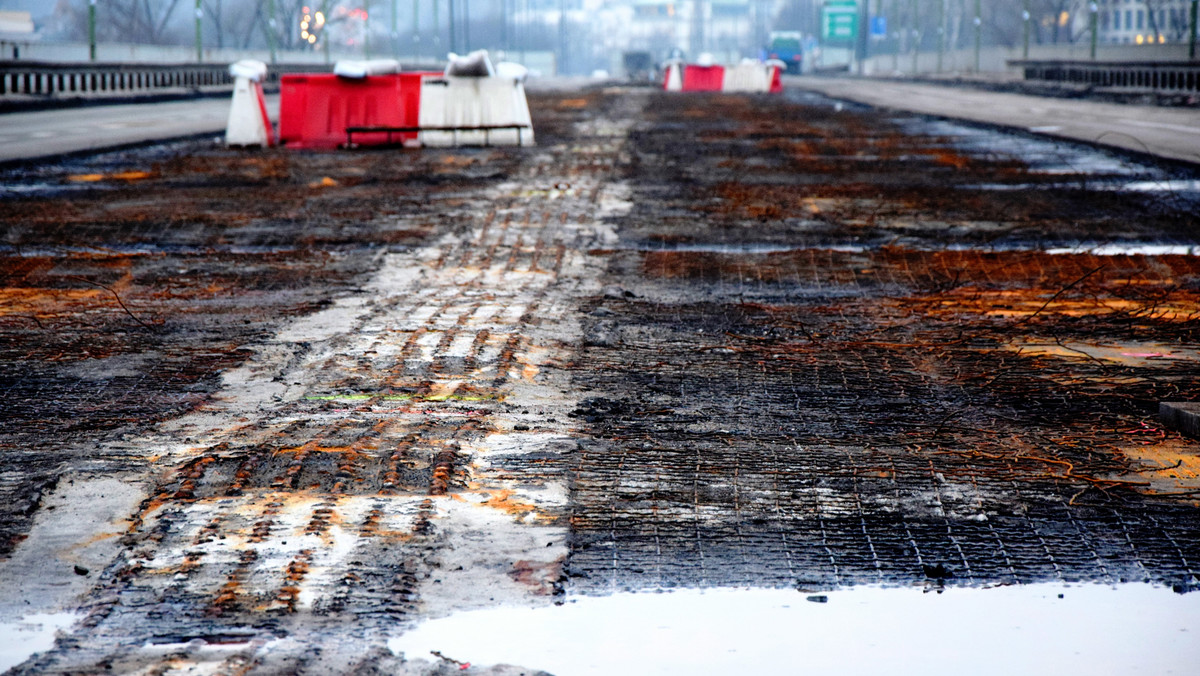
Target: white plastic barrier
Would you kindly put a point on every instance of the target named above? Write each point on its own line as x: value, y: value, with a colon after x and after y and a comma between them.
x: 358, y: 70
x: 248, y: 123
x: 674, y: 81
x: 475, y: 64
x: 477, y: 98
x: 748, y: 76
x: 475, y: 102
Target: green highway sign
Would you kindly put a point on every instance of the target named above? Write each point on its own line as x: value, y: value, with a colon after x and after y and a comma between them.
x: 839, y: 21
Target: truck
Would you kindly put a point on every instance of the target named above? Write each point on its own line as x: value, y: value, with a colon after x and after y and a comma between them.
x: 788, y: 47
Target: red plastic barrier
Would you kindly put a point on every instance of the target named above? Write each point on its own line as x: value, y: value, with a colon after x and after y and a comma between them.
x: 703, y: 78
x: 315, y: 109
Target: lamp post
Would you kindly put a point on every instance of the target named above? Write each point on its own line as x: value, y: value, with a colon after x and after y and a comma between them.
x: 324, y: 35
x: 91, y: 30
x: 978, y: 21
x: 271, y: 24
x: 941, y: 33
x: 416, y: 27
x: 1192, y: 32
x: 466, y: 25
x: 1025, y: 16
x: 1093, y: 23
x: 916, y: 36
x: 561, y: 66
x: 199, y: 15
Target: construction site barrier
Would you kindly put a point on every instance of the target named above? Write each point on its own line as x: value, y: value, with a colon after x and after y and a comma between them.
x: 466, y: 111
x: 429, y: 109
x: 315, y: 110
x: 248, y: 123
x: 746, y: 77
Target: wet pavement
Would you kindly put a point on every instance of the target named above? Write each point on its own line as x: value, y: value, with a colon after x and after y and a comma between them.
x: 259, y: 402
x: 1156, y: 131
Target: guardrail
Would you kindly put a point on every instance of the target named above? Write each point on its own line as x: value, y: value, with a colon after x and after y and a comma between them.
x: 49, y: 81
x: 1161, y: 77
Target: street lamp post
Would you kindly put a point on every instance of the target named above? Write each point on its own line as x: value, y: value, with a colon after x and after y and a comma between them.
x: 1025, y: 16
x: 416, y: 27
x: 91, y: 30
x: 562, y: 37
x: 1093, y: 23
x: 978, y: 21
x: 1192, y: 32
x: 916, y: 36
x: 199, y: 15
x: 271, y: 24
x: 941, y: 33
x: 324, y: 35
x: 466, y: 25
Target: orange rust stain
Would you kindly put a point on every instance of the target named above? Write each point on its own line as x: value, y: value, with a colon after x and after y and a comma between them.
x: 948, y: 158
x: 503, y: 501
x: 1016, y: 303
x: 45, y: 302
x: 119, y: 176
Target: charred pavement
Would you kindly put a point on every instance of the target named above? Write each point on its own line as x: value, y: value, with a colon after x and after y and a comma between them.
x: 263, y: 411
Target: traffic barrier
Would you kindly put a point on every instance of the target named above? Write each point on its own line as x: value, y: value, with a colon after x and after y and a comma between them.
x: 316, y: 110
x: 749, y: 76
x: 471, y: 103
x: 476, y: 104
x: 752, y: 76
x: 360, y: 69
x: 248, y: 123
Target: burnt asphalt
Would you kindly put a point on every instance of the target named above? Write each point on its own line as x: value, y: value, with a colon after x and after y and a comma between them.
x: 258, y: 402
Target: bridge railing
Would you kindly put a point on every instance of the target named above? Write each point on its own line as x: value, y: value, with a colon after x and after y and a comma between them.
x: 45, y: 80
x: 1162, y: 77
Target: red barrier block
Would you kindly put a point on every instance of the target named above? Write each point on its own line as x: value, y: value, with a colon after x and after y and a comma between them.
x: 703, y: 78
x: 315, y: 109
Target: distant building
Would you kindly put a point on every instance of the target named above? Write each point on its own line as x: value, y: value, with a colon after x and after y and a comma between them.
x: 725, y: 27
x: 1143, y: 21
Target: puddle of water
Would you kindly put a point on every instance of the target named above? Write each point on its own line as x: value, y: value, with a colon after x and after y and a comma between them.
x: 29, y: 635
x: 1165, y: 185
x: 750, y: 248
x: 1093, y: 248
x: 1130, y: 250
x: 1134, y: 629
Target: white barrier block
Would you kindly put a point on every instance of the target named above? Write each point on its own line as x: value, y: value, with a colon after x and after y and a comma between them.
x: 475, y: 64
x: 248, y: 123
x: 252, y: 69
x: 512, y: 70
x: 747, y: 77
x: 357, y: 70
x: 474, y: 102
x: 674, y: 76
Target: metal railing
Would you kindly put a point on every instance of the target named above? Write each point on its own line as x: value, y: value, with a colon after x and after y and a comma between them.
x: 43, y: 80
x: 1163, y: 77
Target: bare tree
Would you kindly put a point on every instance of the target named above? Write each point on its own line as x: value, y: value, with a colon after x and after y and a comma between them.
x: 144, y: 21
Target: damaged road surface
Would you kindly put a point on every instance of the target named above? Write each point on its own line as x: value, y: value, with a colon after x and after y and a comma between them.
x: 269, y: 412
